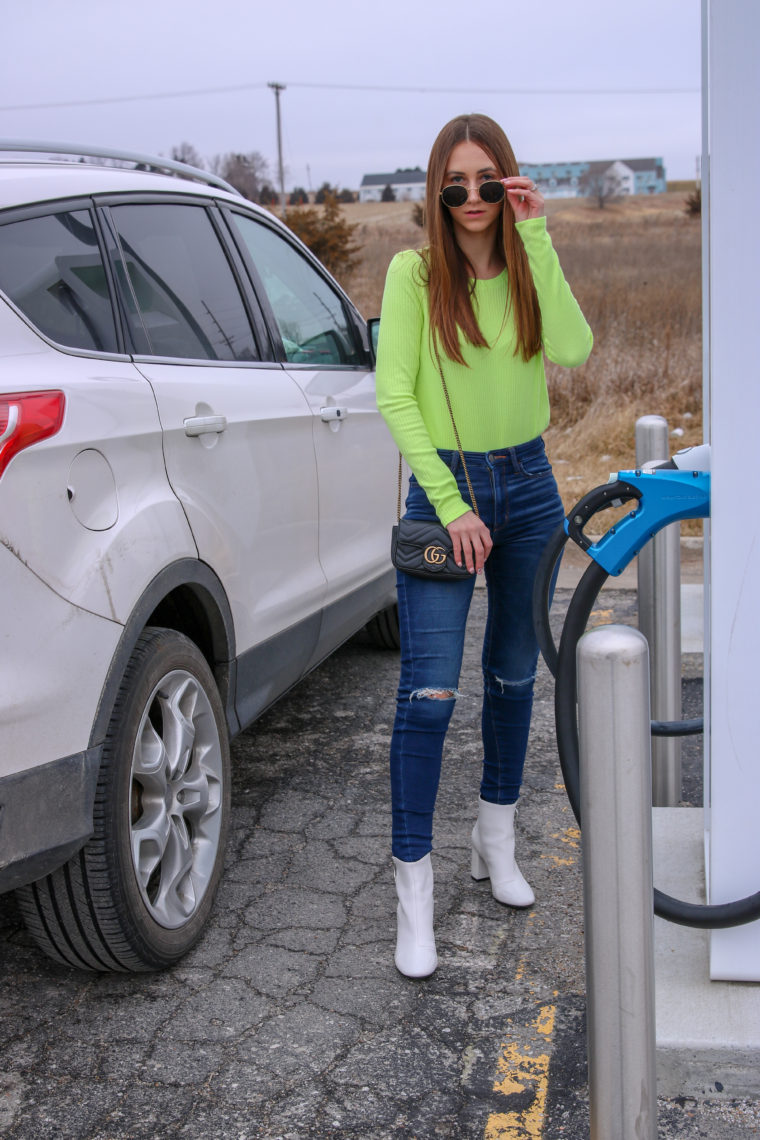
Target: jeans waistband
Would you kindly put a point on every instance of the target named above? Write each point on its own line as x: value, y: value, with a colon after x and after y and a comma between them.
x: 508, y: 456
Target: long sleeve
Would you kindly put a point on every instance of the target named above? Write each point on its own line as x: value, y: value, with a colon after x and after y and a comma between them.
x: 402, y: 332
x: 567, y: 337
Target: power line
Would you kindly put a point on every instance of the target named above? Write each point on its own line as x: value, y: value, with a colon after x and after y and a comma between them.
x: 131, y: 98
x: 402, y: 90
x: 505, y: 90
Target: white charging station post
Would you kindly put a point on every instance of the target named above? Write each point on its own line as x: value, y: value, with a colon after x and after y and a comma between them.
x: 731, y: 260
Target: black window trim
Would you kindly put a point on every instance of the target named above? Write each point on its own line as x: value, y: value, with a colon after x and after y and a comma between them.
x: 110, y: 232
x: 257, y: 317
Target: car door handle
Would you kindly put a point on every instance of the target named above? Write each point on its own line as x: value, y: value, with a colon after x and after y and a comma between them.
x: 332, y: 413
x: 201, y: 425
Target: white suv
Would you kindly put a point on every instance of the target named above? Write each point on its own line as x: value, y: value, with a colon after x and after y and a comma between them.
x: 196, y: 496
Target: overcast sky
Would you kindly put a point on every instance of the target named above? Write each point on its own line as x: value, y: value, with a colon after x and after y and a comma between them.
x: 529, y: 65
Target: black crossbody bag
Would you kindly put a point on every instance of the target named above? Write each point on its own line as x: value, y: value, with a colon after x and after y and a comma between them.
x: 425, y: 549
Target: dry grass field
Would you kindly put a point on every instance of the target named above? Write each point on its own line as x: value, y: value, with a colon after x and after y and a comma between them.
x: 635, y: 269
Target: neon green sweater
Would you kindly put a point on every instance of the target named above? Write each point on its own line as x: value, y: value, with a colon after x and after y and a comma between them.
x: 498, y: 399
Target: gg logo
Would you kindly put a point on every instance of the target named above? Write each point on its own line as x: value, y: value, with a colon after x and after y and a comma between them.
x: 434, y: 555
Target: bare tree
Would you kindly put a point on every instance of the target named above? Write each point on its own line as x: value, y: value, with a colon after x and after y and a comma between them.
x: 186, y: 152
x: 248, y: 173
x: 601, y: 186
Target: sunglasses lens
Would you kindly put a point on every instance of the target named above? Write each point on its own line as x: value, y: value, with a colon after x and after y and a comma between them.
x: 491, y: 191
x: 453, y: 196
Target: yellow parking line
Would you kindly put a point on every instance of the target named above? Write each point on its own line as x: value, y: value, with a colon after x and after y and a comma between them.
x: 571, y: 837
x: 524, y: 1068
x: 523, y: 1063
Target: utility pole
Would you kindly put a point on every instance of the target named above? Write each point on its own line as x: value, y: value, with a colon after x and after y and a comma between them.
x: 277, y: 88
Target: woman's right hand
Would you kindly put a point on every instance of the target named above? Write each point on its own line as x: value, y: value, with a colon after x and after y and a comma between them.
x: 472, y: 541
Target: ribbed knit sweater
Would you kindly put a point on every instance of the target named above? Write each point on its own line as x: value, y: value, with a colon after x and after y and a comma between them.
x: 498, y: 399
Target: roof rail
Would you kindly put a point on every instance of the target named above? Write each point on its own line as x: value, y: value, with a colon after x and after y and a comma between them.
x: 144, y: 161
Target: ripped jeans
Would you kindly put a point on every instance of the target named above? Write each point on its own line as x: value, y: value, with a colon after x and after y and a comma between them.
x: 518, y: 501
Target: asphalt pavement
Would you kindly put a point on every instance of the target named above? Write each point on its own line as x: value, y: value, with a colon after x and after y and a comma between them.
x: 289, y: 1020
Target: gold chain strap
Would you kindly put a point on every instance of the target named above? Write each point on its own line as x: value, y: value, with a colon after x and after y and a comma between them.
x: 456, y: 437
x: 459, y: 448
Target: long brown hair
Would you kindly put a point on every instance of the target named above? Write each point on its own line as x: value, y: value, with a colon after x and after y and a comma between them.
x: 448, y: 271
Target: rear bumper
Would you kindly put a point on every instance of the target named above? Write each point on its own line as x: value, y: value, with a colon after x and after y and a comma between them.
x: 54, y: 658
x: 45, y: 816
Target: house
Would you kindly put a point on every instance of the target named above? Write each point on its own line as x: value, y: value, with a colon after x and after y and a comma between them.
x: 407, y: 185
x: 555, y: 179
x: 583, y: 179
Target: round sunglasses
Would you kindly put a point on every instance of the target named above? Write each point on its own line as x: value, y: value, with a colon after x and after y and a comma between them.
x: 456, y: 195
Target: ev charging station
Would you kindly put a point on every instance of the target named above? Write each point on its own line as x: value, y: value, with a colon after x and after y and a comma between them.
x: 602, y: 680
x: 731, y: 311
x: 719, y: 481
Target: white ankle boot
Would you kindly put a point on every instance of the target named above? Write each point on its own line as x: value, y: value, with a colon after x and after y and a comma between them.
x: 415, y: 942
x: 493, y: 854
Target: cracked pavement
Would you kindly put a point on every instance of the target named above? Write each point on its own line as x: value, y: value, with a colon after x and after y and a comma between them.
x: 288, y: 1019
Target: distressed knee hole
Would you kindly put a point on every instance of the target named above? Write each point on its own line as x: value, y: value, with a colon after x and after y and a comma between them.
x: 505, y: 686
x: 434, y: 694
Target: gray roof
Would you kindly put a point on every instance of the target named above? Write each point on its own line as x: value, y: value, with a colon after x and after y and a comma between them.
x: 635, y: 164
x: 603, y: 163
x: 643, y: 163
x: 398, y: 178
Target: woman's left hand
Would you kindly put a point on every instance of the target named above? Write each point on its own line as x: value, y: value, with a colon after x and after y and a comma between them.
x: 524, y: 198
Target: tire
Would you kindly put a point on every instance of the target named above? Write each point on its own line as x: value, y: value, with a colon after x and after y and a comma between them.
x: 383, y: 630
x: 139, y: 893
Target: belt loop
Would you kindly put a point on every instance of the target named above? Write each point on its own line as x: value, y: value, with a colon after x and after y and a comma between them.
x: 450, y: 458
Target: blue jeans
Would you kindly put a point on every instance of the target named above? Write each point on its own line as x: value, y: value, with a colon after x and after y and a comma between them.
x: 518, y: 501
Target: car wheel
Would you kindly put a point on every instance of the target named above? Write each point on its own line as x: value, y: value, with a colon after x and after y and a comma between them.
x: 138, y: 894
x: 383, y: 629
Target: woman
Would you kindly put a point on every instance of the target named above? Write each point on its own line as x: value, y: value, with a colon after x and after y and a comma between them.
x: 484, y: 299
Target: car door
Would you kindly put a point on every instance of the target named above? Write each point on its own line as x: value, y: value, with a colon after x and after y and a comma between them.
x: 323, y: 351
x: 237, y: 433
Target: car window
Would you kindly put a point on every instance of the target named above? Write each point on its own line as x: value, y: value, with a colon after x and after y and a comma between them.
x: 51, y: 267
x: 188, y: 301
x: 310, y: 315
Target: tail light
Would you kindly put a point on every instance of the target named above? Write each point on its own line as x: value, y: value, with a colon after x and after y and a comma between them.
x: 26, y: 418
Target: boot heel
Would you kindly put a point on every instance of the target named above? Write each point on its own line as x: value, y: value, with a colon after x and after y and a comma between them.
x: 478, y: 866
x: 494, y: 835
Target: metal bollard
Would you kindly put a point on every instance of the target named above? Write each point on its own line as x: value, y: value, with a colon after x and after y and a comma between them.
x: 613, y: 725
x: 659, y: 582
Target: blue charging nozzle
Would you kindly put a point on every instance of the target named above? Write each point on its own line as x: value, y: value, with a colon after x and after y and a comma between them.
x: 663, y: 495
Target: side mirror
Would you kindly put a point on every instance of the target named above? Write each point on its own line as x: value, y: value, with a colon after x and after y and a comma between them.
x: 373, y: 328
